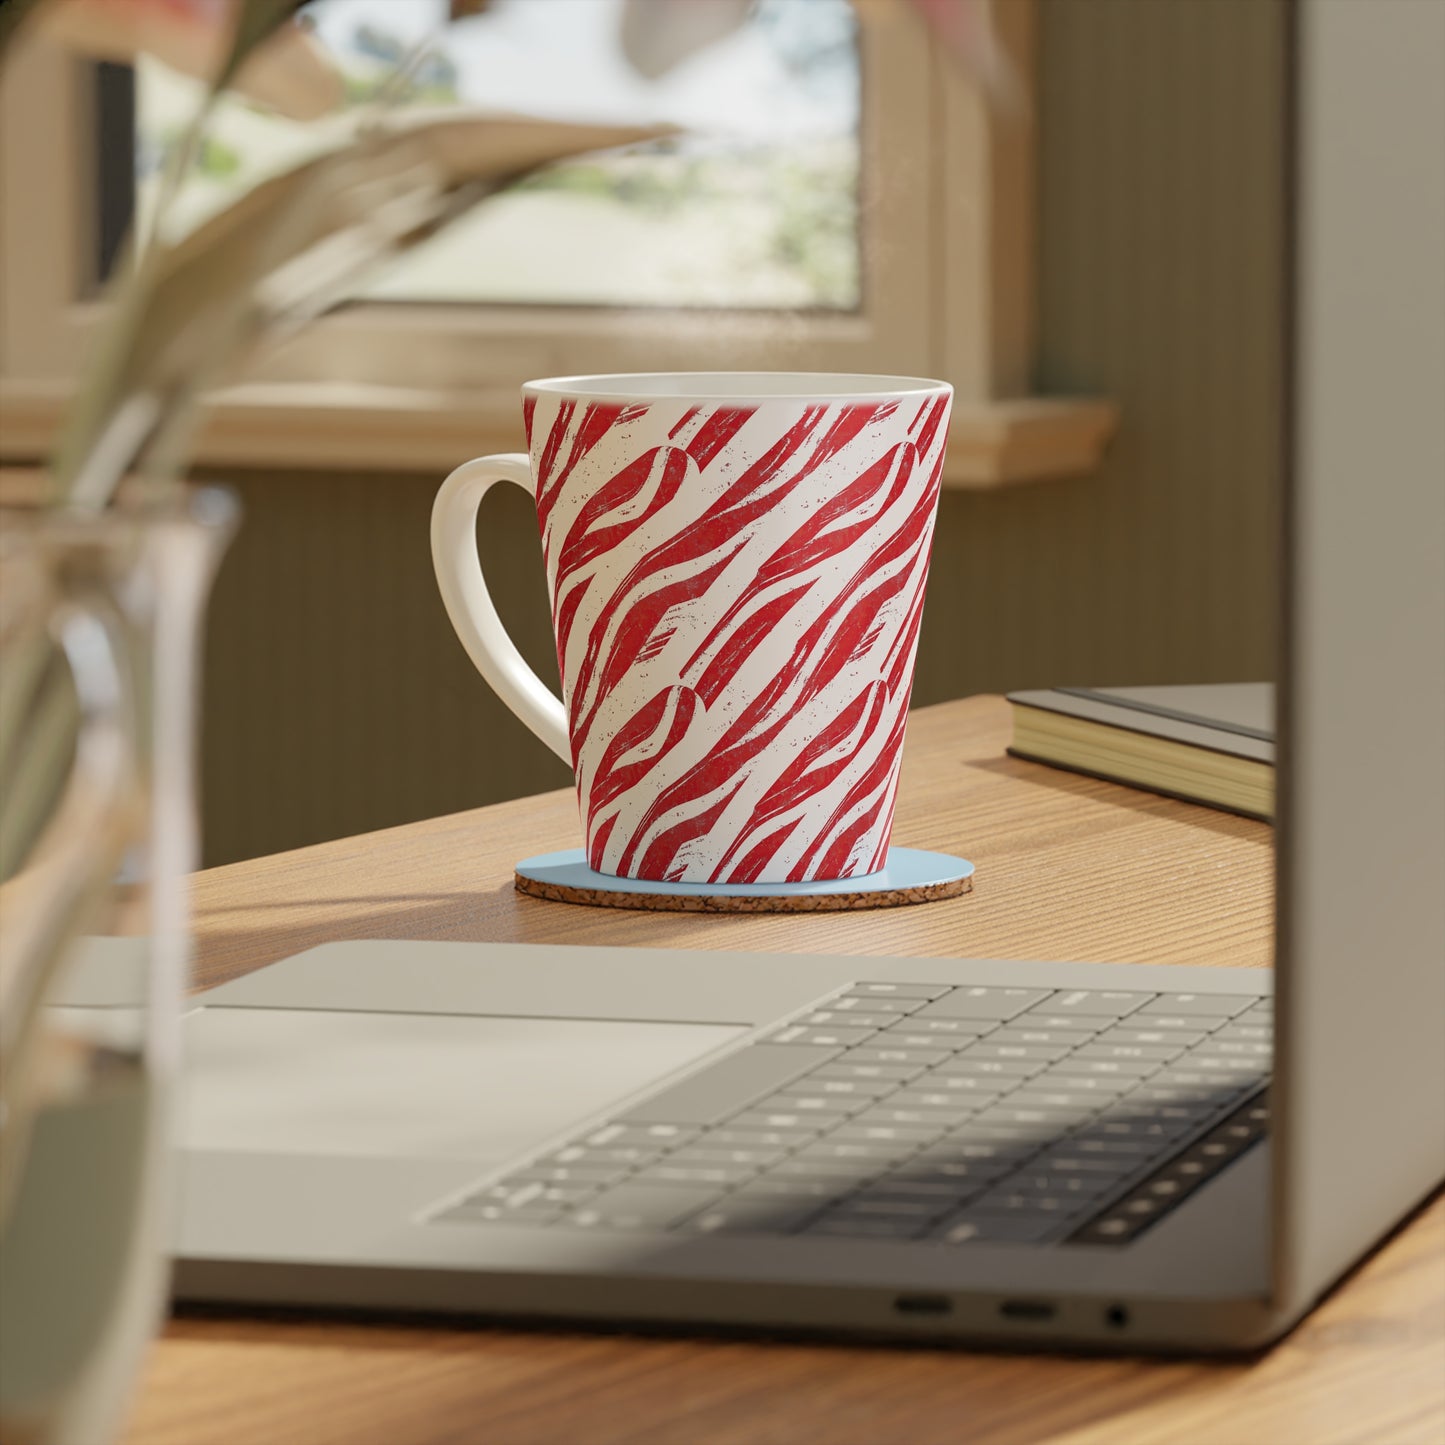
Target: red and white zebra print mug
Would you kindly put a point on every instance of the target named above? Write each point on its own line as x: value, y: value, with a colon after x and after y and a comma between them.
x: 736, y: 564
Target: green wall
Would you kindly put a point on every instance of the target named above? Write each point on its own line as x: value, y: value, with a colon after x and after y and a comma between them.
x: 1159, y: 285
x: 338, y: 699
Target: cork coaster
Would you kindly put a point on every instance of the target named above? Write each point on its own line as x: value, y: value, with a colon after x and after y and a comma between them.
x: 909, y: 876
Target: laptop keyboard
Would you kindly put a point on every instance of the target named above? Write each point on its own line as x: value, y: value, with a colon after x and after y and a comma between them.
x: 924, y: 1112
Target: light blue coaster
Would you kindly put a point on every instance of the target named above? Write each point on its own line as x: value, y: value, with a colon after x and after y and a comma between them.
x: 909, y: 876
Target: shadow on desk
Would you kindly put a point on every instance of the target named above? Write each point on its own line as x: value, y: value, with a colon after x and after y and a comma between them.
x: 1102, y: 792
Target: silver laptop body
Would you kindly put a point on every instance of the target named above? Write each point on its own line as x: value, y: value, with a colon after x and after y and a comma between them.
x: 579, y: 1133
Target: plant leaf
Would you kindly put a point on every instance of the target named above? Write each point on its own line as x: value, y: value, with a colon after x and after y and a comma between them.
x: 292, y: 247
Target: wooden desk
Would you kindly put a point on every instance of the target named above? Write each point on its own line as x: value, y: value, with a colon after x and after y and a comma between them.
x: 1067, y: 868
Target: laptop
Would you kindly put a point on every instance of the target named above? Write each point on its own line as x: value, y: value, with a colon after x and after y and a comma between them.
x: 1126, y: 1156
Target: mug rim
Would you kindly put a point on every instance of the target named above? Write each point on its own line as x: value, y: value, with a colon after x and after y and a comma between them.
x: 755, y: 387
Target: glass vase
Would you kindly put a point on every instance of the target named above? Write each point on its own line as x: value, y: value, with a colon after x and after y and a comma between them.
x: 101, y: 622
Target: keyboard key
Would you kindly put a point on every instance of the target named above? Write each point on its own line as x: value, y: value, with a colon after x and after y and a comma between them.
x: 988, y: 1143
x: 1016, y: 1033
x: 1108, y: 1086
x: 1211, y: 1085
x: 832, y: 1017
x: 1069, y: 1100
x: 727, y: 1086
x: 855, y: 1149
x: 982, y: 1077
x: 986, y: 1154
x: 900, y: 990
x: 843, y: 1173
x: 1216, y: 1150
x: 983, y: 1003
x: 596, y: 1174
x: 922, y: 1209
x: 849, y: 1086
x: 709, y: 1153
x: 516, y: 1194
x: 1161, y: 1124
x: 956, y: 1186
x: 992, y: 1048
x: 912, y: 1039
x: 786, y: 1119
x: 1214, y: 1005
x: 849, y: 1068
x: 1063, y: 1161
x: 955, y: 1177
x: 520, y: 1188
x: 963, y: 1087
x: 1209, y: 1057
x: 960, y: 1029
x: 1060, y: 1119
x: 1181, y: 1038
x: 873, y: 1004
x: 815, y: 1104
x: 922, y: 1058
x: 821, y: 1189
x: 641, y: 1206
x: 1003, y: 1136
x: 834, y: 1038
x: 1128, y: 1068
x: 642, y: 1136
x: 610, y: 1155
x: 718, y: 1175
x: 1044, y: 1181
x: 890, y: 1133
x: 994, y: 1229
x: 960, y: 1092
x: 933, y: 1121
x: 1198, y: 1099
x: 1043, y: 1018
x: 748, y: 1138
x: 965, y: 1063
x: 1245, y: 1033
x: 1200, y: 1064
x: 1247, y: 1049
x: 1155, y: 1053
x: 1102, y: 1004
x: 753, y: 1214
x: 1177, y: 1023
x: 1003, y: 1201
x: 1088, y: 1142
x: 530, y: 1215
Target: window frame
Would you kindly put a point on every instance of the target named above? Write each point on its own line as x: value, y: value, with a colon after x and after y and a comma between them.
x: 419, y: 386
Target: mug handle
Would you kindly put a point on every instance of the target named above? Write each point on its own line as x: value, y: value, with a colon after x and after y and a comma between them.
x: 469, y: 604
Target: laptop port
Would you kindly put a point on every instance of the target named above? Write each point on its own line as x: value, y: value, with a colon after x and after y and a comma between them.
x: 1033, y: 1310
x: 1117, y: 1316
x: 923, y: 1304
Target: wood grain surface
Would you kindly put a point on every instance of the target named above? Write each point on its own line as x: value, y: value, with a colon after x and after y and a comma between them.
x: 1067, y: 868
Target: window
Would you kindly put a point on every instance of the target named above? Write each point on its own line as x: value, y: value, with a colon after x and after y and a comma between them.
x: 843, y: 201
x: 756, y: 207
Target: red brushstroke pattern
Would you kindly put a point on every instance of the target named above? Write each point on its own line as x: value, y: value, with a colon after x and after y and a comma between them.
x: 737, y: 593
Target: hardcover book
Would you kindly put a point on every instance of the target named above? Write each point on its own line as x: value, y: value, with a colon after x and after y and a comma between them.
x: 1211, y: 744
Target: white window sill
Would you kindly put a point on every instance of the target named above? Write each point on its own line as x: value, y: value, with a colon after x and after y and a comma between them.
x: 373, y: 428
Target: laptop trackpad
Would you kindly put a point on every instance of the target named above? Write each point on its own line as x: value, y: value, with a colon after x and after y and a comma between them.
x: 433, y: 1086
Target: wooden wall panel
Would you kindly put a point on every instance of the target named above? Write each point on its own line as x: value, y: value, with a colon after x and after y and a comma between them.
x: 1160, y: 275
x: 337, y: 697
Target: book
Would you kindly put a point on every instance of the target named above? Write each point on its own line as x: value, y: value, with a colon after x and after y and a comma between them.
x: 1211, y: 744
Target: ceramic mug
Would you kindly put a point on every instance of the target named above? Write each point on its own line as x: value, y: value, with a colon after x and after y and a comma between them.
x: 736, y: 563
